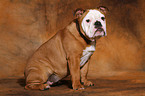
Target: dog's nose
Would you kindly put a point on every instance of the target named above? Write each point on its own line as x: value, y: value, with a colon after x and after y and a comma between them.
x: 97, y: 24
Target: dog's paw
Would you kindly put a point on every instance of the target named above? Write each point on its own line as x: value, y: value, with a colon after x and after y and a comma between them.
x: 88, y: 83
x: 34, y: 86
x: 44, y: 87
x: 78, y: 87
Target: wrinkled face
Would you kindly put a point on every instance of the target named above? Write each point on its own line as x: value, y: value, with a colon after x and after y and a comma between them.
x: 93, y: 24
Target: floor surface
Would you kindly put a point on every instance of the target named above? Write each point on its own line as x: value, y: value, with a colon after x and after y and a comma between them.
x: 132, y: 84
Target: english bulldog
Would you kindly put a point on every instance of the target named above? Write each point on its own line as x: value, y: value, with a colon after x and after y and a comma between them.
x: 67, y: 52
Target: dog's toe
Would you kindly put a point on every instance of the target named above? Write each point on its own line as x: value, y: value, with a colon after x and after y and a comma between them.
x: 88, y: 83
x: 78, y: 87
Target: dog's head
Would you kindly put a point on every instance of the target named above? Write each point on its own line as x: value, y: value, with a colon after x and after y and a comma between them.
x: 92, y: 22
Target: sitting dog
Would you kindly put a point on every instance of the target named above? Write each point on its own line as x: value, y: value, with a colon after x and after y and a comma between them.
x: 67, y: 52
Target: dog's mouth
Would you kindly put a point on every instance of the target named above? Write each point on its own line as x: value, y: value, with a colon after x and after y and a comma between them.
x: 99, y: 29
x: 99, y: 32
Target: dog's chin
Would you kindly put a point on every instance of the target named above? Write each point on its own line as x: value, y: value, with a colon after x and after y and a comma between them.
x: 99, y: 33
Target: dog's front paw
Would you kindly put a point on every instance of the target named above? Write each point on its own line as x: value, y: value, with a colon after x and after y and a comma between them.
x: 78, y: 86
x: 88, y: 83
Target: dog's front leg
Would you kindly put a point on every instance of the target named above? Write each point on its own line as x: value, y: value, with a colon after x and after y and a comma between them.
x: 84, y: 72
x: 74, y: 66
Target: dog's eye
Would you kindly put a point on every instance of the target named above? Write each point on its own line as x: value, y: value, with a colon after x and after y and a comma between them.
x: 103, y: 18
x: 87, y: 20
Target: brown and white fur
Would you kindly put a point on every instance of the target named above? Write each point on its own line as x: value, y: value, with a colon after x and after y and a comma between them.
x: 67, y: 52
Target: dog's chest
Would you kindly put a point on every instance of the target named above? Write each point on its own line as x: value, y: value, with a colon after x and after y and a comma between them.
x: 87, y: 52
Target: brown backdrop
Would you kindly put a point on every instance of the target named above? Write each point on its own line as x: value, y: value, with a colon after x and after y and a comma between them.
x: 26, y: 24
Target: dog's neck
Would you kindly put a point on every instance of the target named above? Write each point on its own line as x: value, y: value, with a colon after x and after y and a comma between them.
x: 88, y: 41
x: 74, y: 29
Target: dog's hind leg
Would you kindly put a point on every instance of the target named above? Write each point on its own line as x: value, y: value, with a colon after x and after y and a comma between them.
x: 37, y: 80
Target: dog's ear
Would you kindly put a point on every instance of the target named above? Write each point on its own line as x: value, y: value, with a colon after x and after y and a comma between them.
x: 103, y: 9
x: 78, y: 12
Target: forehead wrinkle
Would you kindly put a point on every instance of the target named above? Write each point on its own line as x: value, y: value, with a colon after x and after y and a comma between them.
x: 95, y: 14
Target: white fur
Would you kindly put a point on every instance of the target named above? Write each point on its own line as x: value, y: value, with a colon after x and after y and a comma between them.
x: 89, y: 28
x: 87, y: 53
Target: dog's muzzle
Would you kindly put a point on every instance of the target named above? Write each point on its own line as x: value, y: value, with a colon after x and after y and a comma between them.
x: 99, y: 30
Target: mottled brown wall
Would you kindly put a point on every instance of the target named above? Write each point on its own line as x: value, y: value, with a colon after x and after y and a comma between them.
x: 22, y: 29
x: 26, y: 24
x: 123, y: 50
